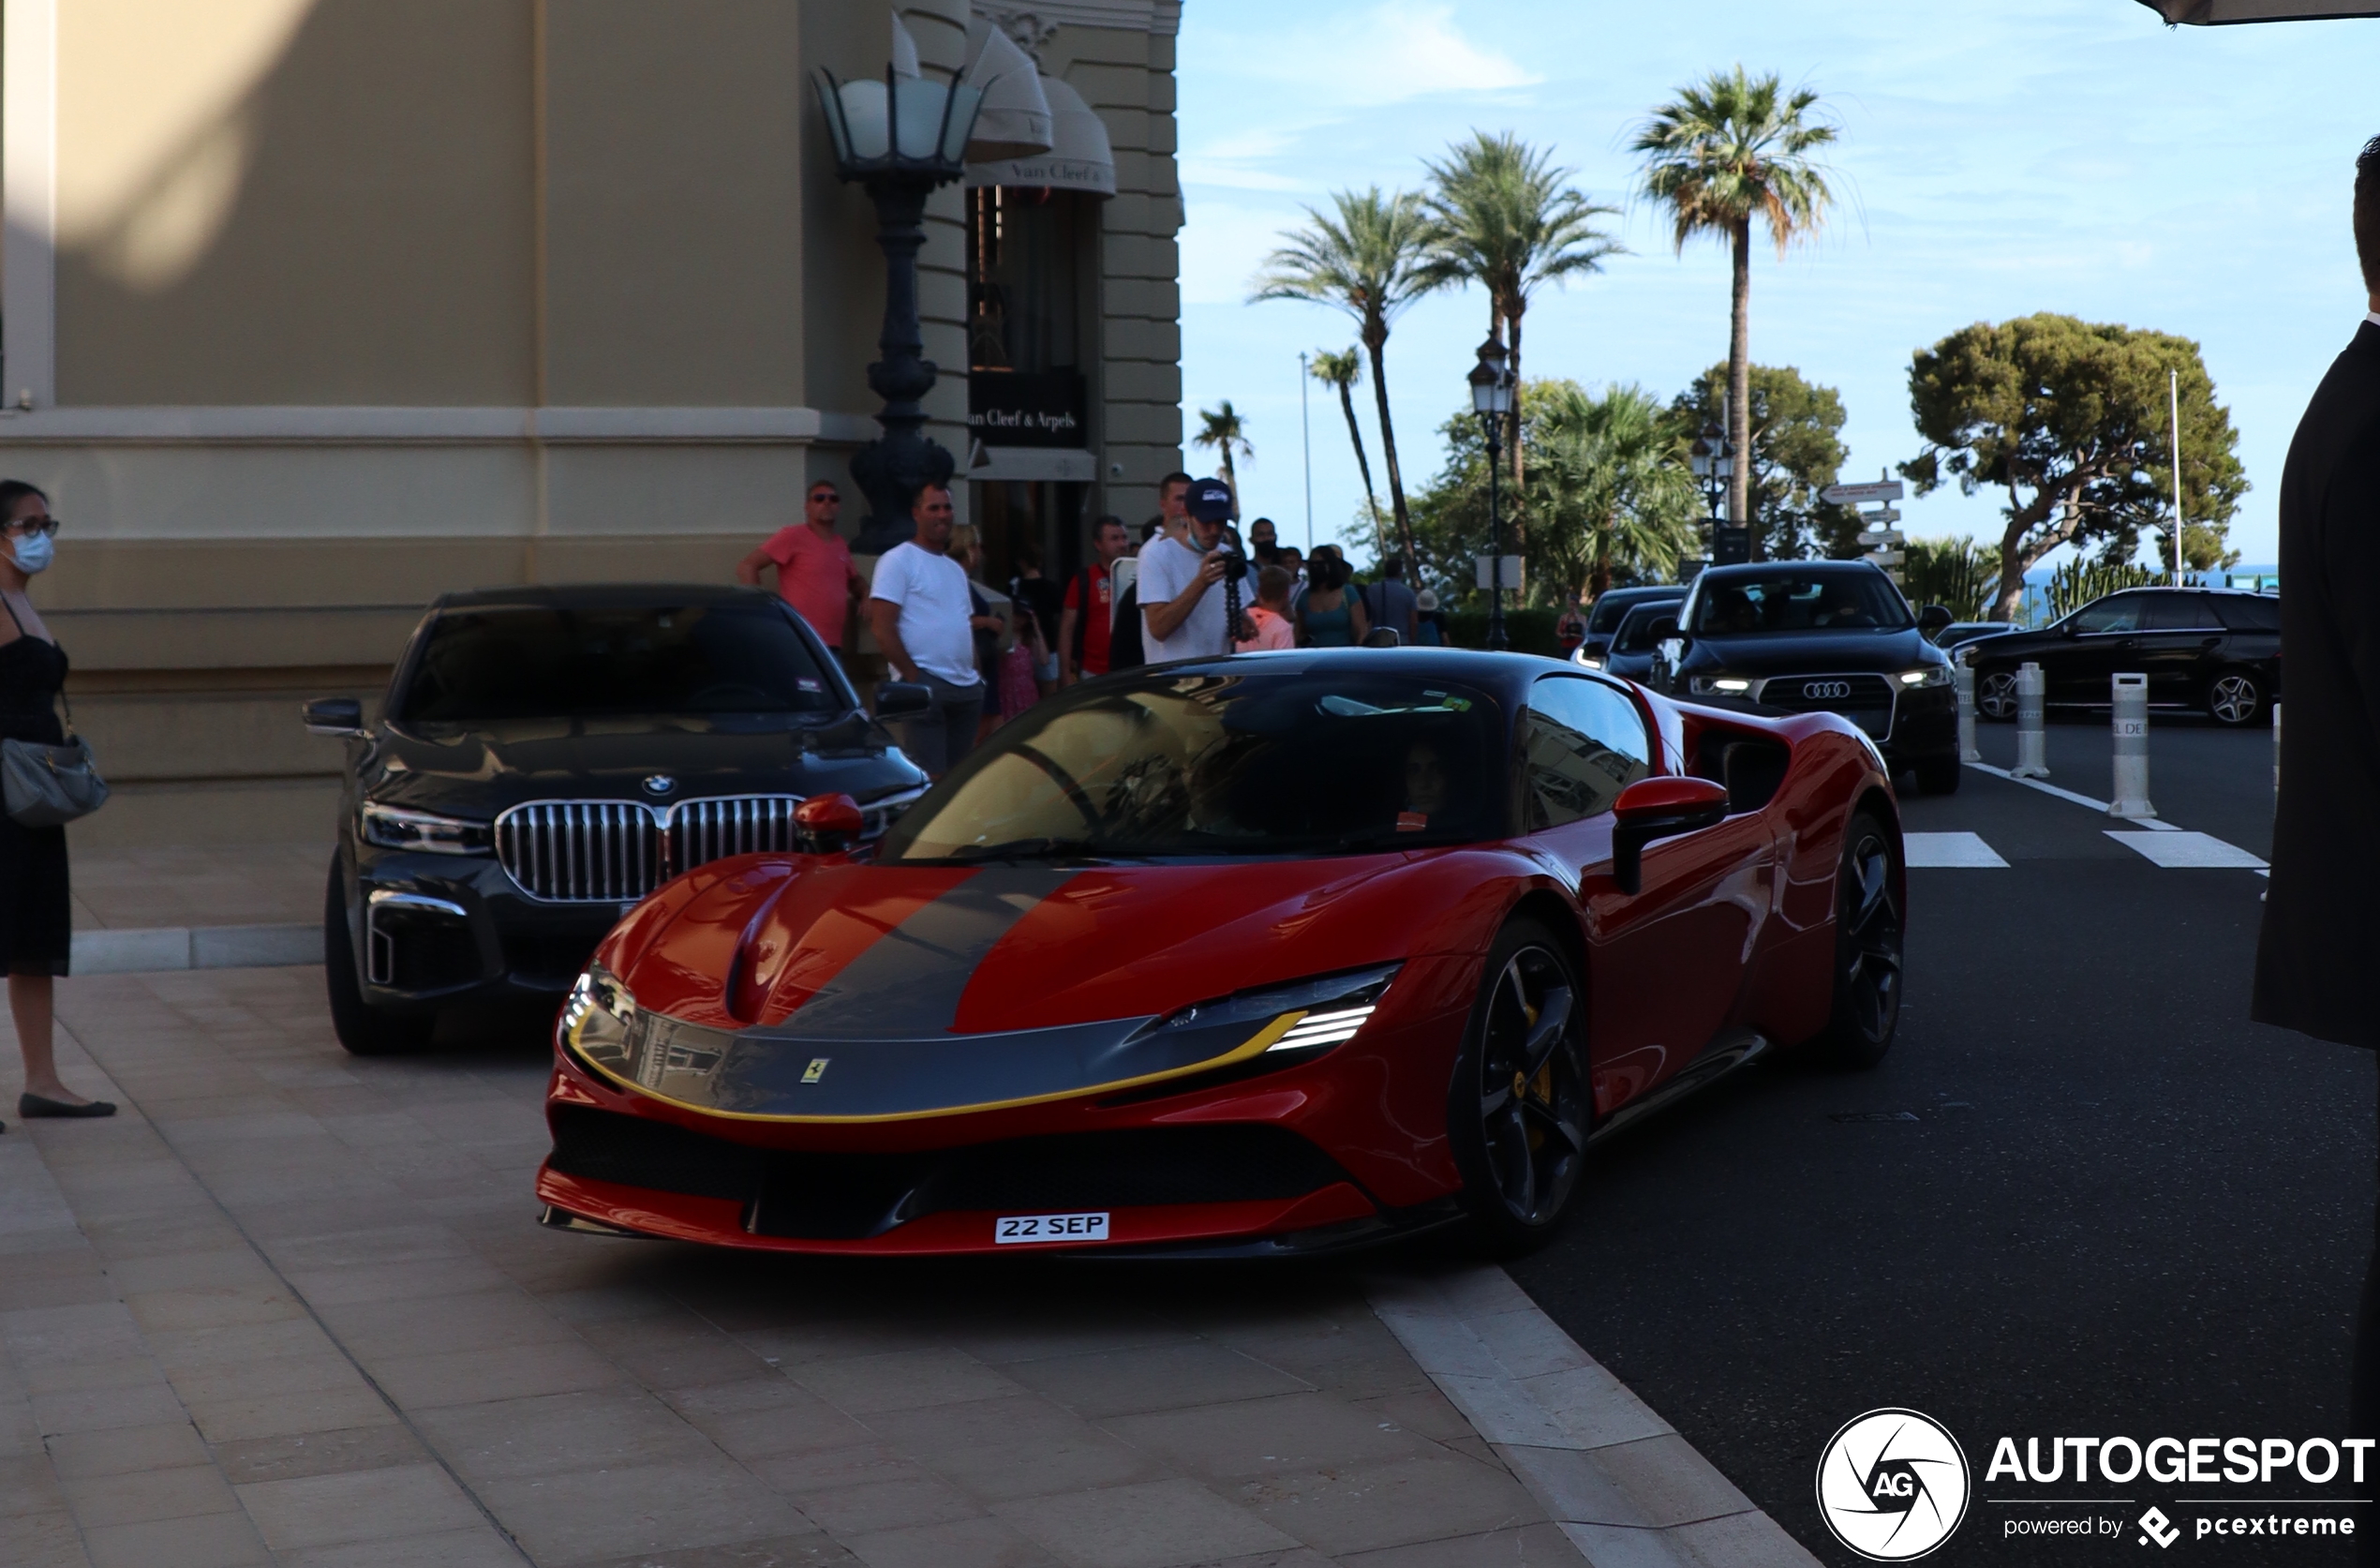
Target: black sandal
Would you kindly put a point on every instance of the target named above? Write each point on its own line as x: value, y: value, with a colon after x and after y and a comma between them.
x: 32, y: 1105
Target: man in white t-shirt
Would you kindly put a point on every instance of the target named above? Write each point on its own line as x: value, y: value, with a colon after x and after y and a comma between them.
x: 1180, y: 584
x: 921, y: 611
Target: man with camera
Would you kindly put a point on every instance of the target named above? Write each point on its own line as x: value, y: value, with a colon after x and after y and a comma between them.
x: 1189, y: 587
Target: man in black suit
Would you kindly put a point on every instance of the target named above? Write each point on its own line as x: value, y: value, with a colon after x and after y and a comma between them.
x: 2322, y: 921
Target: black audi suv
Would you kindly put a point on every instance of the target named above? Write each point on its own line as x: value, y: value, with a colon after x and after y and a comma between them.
x: 1833, y: 635
x: 2217, y: 649
x: 546, y: 756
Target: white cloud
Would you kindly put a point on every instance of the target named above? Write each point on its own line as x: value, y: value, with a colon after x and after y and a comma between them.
x: 1368, y: 59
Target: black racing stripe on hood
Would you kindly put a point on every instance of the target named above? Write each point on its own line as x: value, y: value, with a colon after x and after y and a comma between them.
x: 909, y: 982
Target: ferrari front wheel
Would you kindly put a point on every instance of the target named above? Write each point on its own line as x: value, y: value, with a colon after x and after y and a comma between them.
x: 1867, y: 949
x: 1519, y: 1110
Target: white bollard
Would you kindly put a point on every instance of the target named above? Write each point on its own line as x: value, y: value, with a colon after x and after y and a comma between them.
x: 2131, y: 700
x: 1962, y: 675
x: 2032, y: 743
x: 2276, y: 747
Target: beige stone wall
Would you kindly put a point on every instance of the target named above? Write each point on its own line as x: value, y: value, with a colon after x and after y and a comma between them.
x: 348, y: 293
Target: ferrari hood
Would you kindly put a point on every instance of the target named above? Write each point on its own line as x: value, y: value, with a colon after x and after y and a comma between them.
x: 860, y: 951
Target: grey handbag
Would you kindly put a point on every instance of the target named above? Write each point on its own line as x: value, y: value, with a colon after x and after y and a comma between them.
x: 49, y: 786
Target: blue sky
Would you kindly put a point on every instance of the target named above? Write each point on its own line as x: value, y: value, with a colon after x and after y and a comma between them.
x: 1996, y: 158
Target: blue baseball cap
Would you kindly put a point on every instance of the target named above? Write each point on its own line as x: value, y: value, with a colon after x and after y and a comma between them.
x: 1209, y: 501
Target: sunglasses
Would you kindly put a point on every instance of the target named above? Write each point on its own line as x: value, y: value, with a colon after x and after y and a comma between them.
x: 27, y: 527
x: 829, y: 497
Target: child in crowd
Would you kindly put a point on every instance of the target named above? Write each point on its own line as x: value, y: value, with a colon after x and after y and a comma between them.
x: 1270, y: 613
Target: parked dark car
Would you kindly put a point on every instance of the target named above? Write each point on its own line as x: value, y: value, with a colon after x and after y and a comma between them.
x: 2217, y: 649
x: 1797, y: 636
x: 549, y: 755
x: 1631, y: 649
x: 1603, y: 619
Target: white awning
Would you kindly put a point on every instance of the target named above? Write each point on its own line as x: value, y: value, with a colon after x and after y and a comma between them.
x: 1015, y: 118
x: 1079, y: 157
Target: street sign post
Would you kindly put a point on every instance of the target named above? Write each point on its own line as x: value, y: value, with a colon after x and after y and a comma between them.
x: 1888, y: 537
x: 1862, y: 495
x: 1486, y: 565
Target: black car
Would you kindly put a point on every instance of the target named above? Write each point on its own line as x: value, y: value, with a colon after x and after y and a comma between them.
x: 2217, y: 649
x: 1611, y: 606
x: 549, y: 755
x: 1631, y: 649
x: 1832, y: 635
x: 1959, y: 633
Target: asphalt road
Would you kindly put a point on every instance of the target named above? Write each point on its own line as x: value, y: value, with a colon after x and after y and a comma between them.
x: 2105, y: 1203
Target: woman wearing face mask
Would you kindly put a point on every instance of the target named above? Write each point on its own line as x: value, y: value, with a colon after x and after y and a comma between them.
x: 37, y: 926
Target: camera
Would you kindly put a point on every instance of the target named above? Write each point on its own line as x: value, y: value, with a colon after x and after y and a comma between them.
x: 1235, y: 565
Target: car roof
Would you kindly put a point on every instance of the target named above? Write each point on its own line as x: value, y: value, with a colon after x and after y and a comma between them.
x: 1650, y: 612
x: 1642, y: 591
x: 610, y: 596
x: 1506, y: 674
x: 1756, y: 569
x: 2192, y: 588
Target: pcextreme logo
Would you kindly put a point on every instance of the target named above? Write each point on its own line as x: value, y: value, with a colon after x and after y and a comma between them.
x: 1893, y: 1485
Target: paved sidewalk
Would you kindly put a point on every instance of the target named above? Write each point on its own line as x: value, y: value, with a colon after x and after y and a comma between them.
x: 271, y: 884
x: 291, y: 1308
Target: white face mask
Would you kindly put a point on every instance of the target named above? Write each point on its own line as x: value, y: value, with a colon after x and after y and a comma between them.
x: 34, y: 552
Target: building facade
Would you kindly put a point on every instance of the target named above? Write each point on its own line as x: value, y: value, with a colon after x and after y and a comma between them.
x: 313, y: 309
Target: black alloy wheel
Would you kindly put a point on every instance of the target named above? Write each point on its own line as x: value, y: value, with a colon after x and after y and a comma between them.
x: 1996, y: 695
x: 1867, y: 949
x: 2234, y: 698
x: 363, y: 1029
x: 1521, y: 1106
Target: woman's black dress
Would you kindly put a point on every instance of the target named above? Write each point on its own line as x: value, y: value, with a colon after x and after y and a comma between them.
x: 37, y: 922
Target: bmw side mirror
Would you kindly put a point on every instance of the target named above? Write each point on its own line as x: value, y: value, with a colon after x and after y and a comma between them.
x: 897, y: 697
x: 341, y: 718
x: 1660, y: 808
x: 829, y: 824
x: 1934, y: 620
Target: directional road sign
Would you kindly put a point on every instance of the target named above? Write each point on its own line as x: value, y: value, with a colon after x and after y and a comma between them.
x: 1862, y: 495
x: 1487, y: 571
x: 1888, y: 557
x: 1885, y: 536
x: 1881, y: 515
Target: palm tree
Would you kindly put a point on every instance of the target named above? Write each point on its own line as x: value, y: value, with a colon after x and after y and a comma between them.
x: 1612, y: 486
x: 1220, y: 430
x: 1723, y: 150
x: 1341, y: 371
x: 1370, y: 262
x: 1503, y: 217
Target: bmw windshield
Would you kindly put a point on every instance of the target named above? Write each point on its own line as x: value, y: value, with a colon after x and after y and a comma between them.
x: 1788, y: 601
x: 1230, y: 765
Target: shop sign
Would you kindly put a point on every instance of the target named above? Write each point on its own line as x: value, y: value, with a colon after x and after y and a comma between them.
x: 1014, y: 407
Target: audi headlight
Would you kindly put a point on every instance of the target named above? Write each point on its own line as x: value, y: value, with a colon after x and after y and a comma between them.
x: 1592, y: 661
x: 1933, y: 675
x: 1287, y: 1022
x: 1719, y: 685
x: 392, y: 828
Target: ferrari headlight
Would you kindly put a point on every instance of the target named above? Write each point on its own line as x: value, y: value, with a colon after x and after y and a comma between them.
x: 1933, y: 675
x: 1304, y: 1016
x: 1720, y: 685
x: 393, y: 827
x: 599, y: 1022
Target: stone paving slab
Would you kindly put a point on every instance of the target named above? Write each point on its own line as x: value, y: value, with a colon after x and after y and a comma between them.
x: 292, y: 1307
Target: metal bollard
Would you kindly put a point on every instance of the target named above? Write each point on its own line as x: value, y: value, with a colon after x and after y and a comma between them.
x: 2131, y: 699
x: 2276, y: 747
x: 2033, y: 743
x: 1962, y: 675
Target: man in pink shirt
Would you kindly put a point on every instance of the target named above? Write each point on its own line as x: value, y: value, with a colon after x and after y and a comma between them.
x: 814, y: 573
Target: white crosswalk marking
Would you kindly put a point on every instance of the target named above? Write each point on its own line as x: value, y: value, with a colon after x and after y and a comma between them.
x: 1949, y: 849
x: 2187, y: 850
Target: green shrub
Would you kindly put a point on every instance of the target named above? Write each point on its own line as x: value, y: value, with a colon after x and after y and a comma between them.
x: 1529, y: 631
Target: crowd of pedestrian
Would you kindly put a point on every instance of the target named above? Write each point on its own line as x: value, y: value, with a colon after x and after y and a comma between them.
x: 1185, y: 584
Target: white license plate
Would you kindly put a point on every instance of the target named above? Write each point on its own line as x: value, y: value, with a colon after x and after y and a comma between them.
x: 1050, y: 1227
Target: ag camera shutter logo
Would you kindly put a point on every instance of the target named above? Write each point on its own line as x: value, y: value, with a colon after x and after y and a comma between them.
x: 1893, y: 1485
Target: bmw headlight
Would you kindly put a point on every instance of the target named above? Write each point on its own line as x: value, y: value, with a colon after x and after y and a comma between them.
x: 393, y: 827
x: 1933, y: 675
x: 1288, y: 1022
x: 1719, y: 685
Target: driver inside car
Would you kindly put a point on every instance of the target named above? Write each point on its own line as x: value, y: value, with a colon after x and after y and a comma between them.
x: 1428, y: 790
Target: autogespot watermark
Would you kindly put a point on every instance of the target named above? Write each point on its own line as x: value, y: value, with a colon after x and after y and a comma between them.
x: 1893, y: 1485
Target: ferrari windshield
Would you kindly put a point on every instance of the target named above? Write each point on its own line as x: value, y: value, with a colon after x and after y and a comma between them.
x: 1265, y: 763
x: 1788, y: 601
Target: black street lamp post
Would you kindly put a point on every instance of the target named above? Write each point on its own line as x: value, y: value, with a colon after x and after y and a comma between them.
x: 1492, y: 400
x: 901, y: 140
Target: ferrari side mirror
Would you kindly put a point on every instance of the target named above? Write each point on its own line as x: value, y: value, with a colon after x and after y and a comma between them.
x: 828, y: 824
x: 1660, y: 808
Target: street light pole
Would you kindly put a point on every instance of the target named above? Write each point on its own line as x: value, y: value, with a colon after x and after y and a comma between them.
x: 1305, y: 433
x: 1492, y: 400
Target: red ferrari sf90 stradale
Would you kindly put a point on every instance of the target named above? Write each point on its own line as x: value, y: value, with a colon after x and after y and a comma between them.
x: 1274, y: 953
